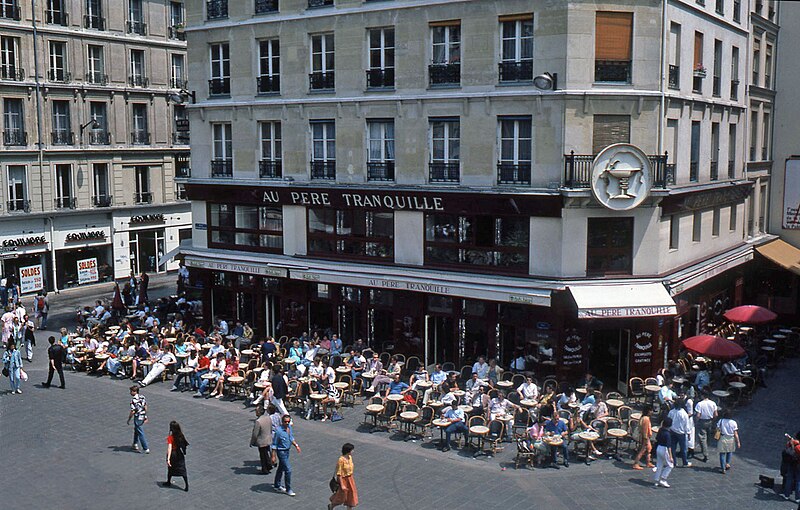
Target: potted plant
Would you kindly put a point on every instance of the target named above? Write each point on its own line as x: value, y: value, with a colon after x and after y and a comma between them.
x: 699, y: 70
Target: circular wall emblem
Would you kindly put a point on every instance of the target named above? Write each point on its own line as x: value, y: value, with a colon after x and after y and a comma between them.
x: 621, y: 177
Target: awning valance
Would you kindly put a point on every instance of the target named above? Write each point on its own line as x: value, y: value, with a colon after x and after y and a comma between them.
x: 622, y: 300
x: 782, y: 253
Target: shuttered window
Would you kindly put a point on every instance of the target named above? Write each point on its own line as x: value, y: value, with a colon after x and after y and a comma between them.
x: 698, y: 50
x: 613, y: 36
x: 610, y: 129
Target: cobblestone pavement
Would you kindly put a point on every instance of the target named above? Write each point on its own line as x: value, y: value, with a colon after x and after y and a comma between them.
x: 71, y: 449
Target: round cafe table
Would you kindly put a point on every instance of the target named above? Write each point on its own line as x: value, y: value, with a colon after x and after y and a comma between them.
x: 581, y: 391
x: 260, y: 385
x: 778, y: 336
x: 479, y: 431
x: 140, y: 332
x: 616, y: 435
x: 441, y: 425
x: 785, y: 331
x: 768, y: 349
x: 466, y: 408
x: 247, y: 352
x: 459, y: 393
x: 721, y: 393
x: 407, y: 419
x: 424, y: 385
x: 372, y: 412
x: 505, y: 384
x: 737, y: 384
x: 171, y: 340
x: 527, y: 403
x: 315, y: 409
x: 207, y: 346
x: 553, y: 440
x: 636, y: 416
x: 589, y: 437
x: 185, y: 371
x: 435, y: 405
x: 770, y: 341
x: 101, y: 356
x: 342, y: 370
x: 397, y: 397
x: 679, y: 380
x: 615, y: 403
x: 341, y: 385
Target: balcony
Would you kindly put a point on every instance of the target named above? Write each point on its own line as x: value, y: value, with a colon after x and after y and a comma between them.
x: 516, y: 71
x: 66, y: 203
x: 176, y: 33
x: 697, y: 84
x: 734, y: 90
x: 15, y: 137
x: 102, y: 200
x: 714, y: 170
x: 99, y: 137
x: 444, y: 172
x: 18, y: 205
x: 694, y: 171
x: 182, y: 171
x: 94, y: 22
x: 59, y: 76
x: 674, y: 81
x: 578, y: 170
x: 325, y: 170
x: 269, y: 84
x: 140, y: 138
x: 179, y: 83
x: 615, y: 71
x: 266, y: 6
x: 219, y: 87
x: 444, y: 75
x: 221, y: 168
x: 716, y: 86
x: 180, y: 138
x: 57, y: 18
x: 138, y: 81
x: 314, y: 4
x: 9, y: 10
x: 136, y: 27
x: 145, y: 197
x: 62, y: 137
x: 514, y: 174
x: 97, y: 78
x: 216, y: 9
x: 380, y: 78
x: 270, y: 169
x: 12, y: 73
x: 731, y: 169
x: 321, y: 81
x: 380, y: 171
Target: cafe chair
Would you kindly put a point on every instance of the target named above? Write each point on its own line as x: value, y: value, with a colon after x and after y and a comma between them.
x: 524, y: 454
x: 549, y: 382
x: 513, y: 397
x: 600, y: 427
x: 291, y: 399
x: 651, y: 381
x: 389, y: 415
x: 614, y: 395
x: 636, y: 388
x: 466, y: 373
x: 516, y: 379
x: 475, y: 421
x: 624, y: 414
x: 448, y: 366
x: 507, y: 376
x: 367, y: 353
x: 423, y: 424
x: 412, y: 365
x: 522, y: 419
x: 749, y: 388
x: 370, y: 417
x: 493, y: 393
x: 401, y: 358
x: 335, y: 361
x: 236, y: 384
x: 496, y: 435
x: 384, y: 357
x: 634, y: 441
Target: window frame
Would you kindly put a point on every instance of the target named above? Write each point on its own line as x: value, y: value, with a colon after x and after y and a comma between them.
x: 263, y: 212
x: 338, y: 238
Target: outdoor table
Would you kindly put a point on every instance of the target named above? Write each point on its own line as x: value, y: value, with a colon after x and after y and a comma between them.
x: 146, y: 364
x: 342, y: 370
x: 785, y: 331
x: 231, y: 337
x: 258, y: 370
x: 721, y: 393
x: 459, y: 393
x: 573, y: 405
x: 614, y: 404
x: 424, y: 384
x: 373, y: 410
x: 505, y: 384
x: 679, y: 380
x: 209, y: 377
x: 182, y: 357
x: 652, y: 388
x: 480, y: 431
x: 341, y: 385
x: 140, y: 332
x: 768, y: 349
x: 247, y: 352
x: 435, y: 405
x: 397, y: 397
x: 581, y: 391
x: 260, y: 385
x: 589, y: 437
x: 101, y: 356
x: 171, y: 340
x: 317, y: 398
x: 553, y: 440
x: 527, y: 403
x: 441, y: 425
x: 466, y: 408
x: 186, y: 371
x: 207, y: 346
x: 777, y: 336
x: 737, y: 384
x: 770, y: 341
x: 616, y: 435
x: 407, y: 419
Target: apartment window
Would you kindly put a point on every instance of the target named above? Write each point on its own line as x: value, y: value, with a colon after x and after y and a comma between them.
x: 137, y: 76
x: 62, y: 126
x: 101, y: 197
x: 716, y: 81
x: 351, y: 233
x: 9, y: 59
x: 216, y: 9
x: 674, y: 232
x: 381, y: 58
x: 516, y: 48
x: 734, y: 73
x: 612, y: 47
x: 322, y: 62
x: 14, y: 122
x: 56, y: 13
x: 180, y: 133
x: 17, y: 195
x: 753, y: 135
x: 98, y: 134
x: 608, y: 130
x: 715, y: 221
x: 768, y: 67
x: 220, y: 82
x: 445, y: 67
x: 697, y: 226
x: 266, y: 6
x: 136, y: 24
x: 95, y: 72
x: 9, y: 10
x: 246, y: 227
x: 609, y: 247
x: 178, y: 69
x: 271, y: 153
x: 714, y: 170
x: 732, y: 151
x: 756, y: 60
x: 176, y: 21
x: 222, y: 138
x: 674, y: 81
x: 94, y: 15
x: 720, y: 7
x: 694, y: 152
x: 516, y: 149
x: 141, y: 133
x: 765, y: 138
x: 143, y: 194
x: 64, y: 198
x: 762, y: 209
x: 445, y: 150
x: 269, y: 67
x: 737, y: 10
x: 732, y: 218
x: 380, y: 150
x: 323, y: 150
x: 58, y: 62
x: 699, y: 69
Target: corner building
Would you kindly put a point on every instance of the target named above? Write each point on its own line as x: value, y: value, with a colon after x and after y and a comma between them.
x: 449, y: 179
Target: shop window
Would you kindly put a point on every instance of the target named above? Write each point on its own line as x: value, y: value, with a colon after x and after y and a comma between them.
x: 440, y: 304
x: 609, y: 247
x: 246, y: 227
x: 271, y: 285
x: 378, y: 297
x: 322, y: 291
x: 247, y: 280
x: 350, y: 294
x: 488, y: 241
x: 351, y: 233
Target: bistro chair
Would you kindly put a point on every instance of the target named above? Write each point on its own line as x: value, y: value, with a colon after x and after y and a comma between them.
x: 357, y: 389
x: 496, y: 435
x: 524, y: 454
x: 636, y: 388
x: 549, y: 383
x: 401, y: 358
x: 507, y: 376
x: 600, y: 427
x: 371, y: 417
x: 424, y: 422
x: 412, y: 364
x: 335, y: 361
x: 367, y: 353
x: 448, y: 366
x: 624, y: 413
x: 747, y: 391
x: 614, y: 395
x: 493, y: 393
x: 517, y: 379
x: 385, y: 357
x: 513, y: 397
x: 522, y: 419
x: 475, y: 421
x: 651, y: 381
x: 235, y: 384
x: 291, y: 394
x: 389, y: 414
x: 466, y: 373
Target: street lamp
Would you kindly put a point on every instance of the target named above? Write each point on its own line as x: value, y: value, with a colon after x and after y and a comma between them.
x: 92, y: 123
x: 182, y: 96
x: 546, y: 81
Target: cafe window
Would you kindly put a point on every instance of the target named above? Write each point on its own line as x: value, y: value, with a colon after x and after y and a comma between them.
x: 489, y: 241
x: 352, y: 233
x: 609, y: 247
x: 246, y: 227
x: 380, y: 297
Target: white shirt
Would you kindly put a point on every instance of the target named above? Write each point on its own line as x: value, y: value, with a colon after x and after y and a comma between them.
x: 727, y: 427
x: 223, y: 327
x: 20, y: 312
x: 98, y: 310
x: 498, y: 408
x: 705, y: 409
x: 680, y: 421
x: 167, y: 358
x: 331, y: 373
x: 482, y: 369
x: 529, y: 390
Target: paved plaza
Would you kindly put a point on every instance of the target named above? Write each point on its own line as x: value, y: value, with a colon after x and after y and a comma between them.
x: 71, y: 449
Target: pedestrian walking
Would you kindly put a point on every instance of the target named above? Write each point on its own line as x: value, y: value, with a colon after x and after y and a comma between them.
x: 664, y: 459
x: 347, y: 493
x: 680, y: 430
x: 645, y: 431
x: 262, y: 437
x: 56, y: 355
x: 139, y: 416
x: 282, y: 441
x: 41, y: 308
x: 29, y: 338
x: 279, y: 389
x: 706, y: 412
x: 176, y: 455
x: 728, y: 440
x: 12, y: 366
x: 790, y: 467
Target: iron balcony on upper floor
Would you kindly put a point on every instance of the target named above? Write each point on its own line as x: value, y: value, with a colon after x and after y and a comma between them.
x: 18, y: 205
x: 15, y: 137
x: 578, y: 170
x: 11, y: 72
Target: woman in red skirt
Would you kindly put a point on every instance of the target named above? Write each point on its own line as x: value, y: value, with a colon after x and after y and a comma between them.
x: 347, y: 494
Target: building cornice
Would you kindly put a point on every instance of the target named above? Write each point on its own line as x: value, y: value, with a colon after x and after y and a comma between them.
x: 119, y: 37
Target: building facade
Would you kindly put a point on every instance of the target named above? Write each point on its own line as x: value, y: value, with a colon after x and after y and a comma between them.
x: 91, y: 142
x: 561, y: 180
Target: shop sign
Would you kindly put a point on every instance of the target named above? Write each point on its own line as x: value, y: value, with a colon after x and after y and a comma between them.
x: 791, y: 195
x: 643, y: 347
x: 182, y: 125
x: 26, y: 241
x: 573, y: 347
x: 621, y: 177
x: 147, y: 218
x: 92, y: 235
x: 236, y: 267
x: 87, y: 271
x: 31, y: 279
x: 391, y: 201
x: 8, y: 252
x: 626, y: 311
x: 705, y: 199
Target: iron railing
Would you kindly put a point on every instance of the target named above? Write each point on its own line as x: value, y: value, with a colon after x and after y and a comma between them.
x: 578, y: 170
x: 99, y: 137
x: 516, y: 71
x: 221, y: 168
x: 510, y: 173
x: 618, y: 71
x: 66, y: 202
x: 62, y: 137
x: 325, y: 170
x: 714, y: 170
x: 734, y: 90
x: 145, y: 197
x: 140, y: 138
x: 177, y: 33
x: 179, y: 83
x: 102, y: 200
x: 270, y: 169
x: 444, y: 172
x: 322, y: 81
x: 138, y: 81
x: 380, y: 78
x: 268, y: 84
x: 266, y: 6
x: 57, y: 18
x: 136, y: 27
x: 15, y: 137
x: 12, y: 73
x: 216, y: 9
x: 219, y: 86
x: 731, y: 169
x: 94, y: 22
x: 313, y: 4
x: 19, y: 205
x: 444, y: 74
x: 59, y: 76
x: 96, y: 78
x: 380, y: 170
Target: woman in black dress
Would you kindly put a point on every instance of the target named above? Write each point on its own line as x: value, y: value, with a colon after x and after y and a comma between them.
x: 176, y: 454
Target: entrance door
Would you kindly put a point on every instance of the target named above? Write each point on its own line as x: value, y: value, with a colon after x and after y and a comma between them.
x: 608, y: 358
x: 244, y: 307
x: 381, y: 328
x: 624, y: 361
x: 272, y: 306
x: 440, y: 340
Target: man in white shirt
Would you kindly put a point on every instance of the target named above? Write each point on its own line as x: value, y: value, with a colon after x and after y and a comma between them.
x: 706, y: 411
x: 158, y: 367
x: 500, y: 407
x: 438, y: 376
x: 528, y: 390
x: 98, y: 309
x: 666, y: 393
x: 481, y: 368
x: 680, y: 430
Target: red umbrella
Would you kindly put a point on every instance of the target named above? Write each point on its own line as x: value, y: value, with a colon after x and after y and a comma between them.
x: 750, y: 314
x: 714, y: 347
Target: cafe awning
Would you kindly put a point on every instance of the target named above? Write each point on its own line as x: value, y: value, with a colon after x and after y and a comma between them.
x: 609, y: 301
x: 782, y: 253
x: 169, y: 255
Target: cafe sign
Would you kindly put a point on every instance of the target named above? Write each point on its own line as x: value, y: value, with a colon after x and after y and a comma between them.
x: 626, y: 311
x: 236, y: 267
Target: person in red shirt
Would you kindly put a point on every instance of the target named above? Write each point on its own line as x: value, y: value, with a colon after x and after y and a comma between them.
x: 202, y: 368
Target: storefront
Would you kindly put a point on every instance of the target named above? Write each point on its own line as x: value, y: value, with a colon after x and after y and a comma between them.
x: 27, y: 257
x: 142, y: 240
x: 83, y: 251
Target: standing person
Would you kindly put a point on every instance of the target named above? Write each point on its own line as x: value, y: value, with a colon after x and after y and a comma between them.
x: 176, y: 455
x: 347, y: 494
x: 144, y: 283
x: 57, y: 354
x: 282, y: 440
x: 139, y: 415
x: 680, y: 430
x: 279, y: 389
x: 134, y: 283
x: 791, y: 480
x: 646, y: 432
x: 664, y: 460
x: 12, y: 360
x: 29, y: 338
x: 706, y: 412
x: 41, y: 308
x: 262, y: 437
x: 728, y: 440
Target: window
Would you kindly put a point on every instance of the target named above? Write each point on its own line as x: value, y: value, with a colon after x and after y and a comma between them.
x: 58, y: 62
x: 246, y: 227
x: 351, y: 233
x: 141, y: 133
x: 445, y: 68
x: 64, y: 198
x: 381, y: 58
x: 753, y: 135
x: 216, y: 9
x: 136, y: 24
x: 176, y: 21
x: 694, y: 153
x: 94, y: 15
x: 732, y: 218
x: 143, y: 194
x: 220, y: 82
x: 266, y: 6
x: 768, y: 67
x: 180, y: 135
x: 270, y: 164
x: 101, y: 198
x: 9, y: 10
x: 674, y: 81
x: 697, y: 226
x: 608, y: 130
x: 178, y: 69
x: 756, y: 60
x: 699, y: 69
x: 720, y: 7
x: 609, y: 247
x: 674, y: 232
x: 716, y: 81
x: 222, y: 138
x: 17, y: 194
x: 734, y: 73
x: 715, y: 220
x: 516, y: 48
x: 762, y: 207
x: 56, y: 13
x: 482, y: 241
x: 137, y: 76
x: 516, y: 150
x: 269, y: 63
x: 714, y: 151
x: 765, y: 138
x: 9, y: 59
x: 732, y: 151
x: 14, y: 122
x: 445, y: 150
x: 323, y: 150
x: 322, y: 62
x: 98, y: 134
x: 95, y: 65
x: 62, y: 127
x: 612, y: 46
x: 380, y: 150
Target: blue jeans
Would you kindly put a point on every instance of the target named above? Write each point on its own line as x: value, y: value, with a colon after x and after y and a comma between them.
x: 679, y: 440
x: 13, y: 377
x: 195, y: 378
x: 205, y: 382
x: 138, y: 433
x: 454, y: 428
x: 724, y: 459
x: 283, y: 468
x: 564, y: 452
x: 791, y: 481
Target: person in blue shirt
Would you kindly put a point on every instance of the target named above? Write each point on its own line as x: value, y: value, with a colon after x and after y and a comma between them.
x: 336, y: 345
x: 456, y: 418
x: 396, y: 387
x: 556, y: 427
x: 282, y: 441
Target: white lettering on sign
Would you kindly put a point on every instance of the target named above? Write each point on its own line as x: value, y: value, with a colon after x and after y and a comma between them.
x: 359, y: 200
x: 637, y: 311
x: 520, y: 299
x: 236, y: 267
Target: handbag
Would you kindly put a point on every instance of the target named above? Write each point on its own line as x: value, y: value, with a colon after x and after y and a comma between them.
x: 23, y: 376
x: 334, y: 483
x: 336, y: 416
x: 5, y: 371
x: 717, y: 435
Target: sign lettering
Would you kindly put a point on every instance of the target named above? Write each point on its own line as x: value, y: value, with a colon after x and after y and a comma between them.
x: 94, y: 235
x: 87, y: 271
x: 147, y: 218
x: 636, y: 311
x: 262, y: 270
x: 31, y: 279
x: 25, y: 241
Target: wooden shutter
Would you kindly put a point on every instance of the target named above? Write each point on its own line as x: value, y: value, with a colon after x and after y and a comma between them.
x: 698, y: 48
x: 610, y: 129
x: 613, y: 35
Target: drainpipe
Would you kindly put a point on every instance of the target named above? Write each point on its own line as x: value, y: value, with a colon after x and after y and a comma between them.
x: 661, y: 83
x: 39, y: 125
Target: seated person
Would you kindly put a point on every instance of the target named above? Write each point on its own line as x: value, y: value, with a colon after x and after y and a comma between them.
x: 332, y: 396
x: 599, y: 409
x: 666, y: 394
x: 191, y: 362
x: 481, y: 368
x: 547, y: 402
x: 374, y: 365
x: 455, y: 416
x: 474, y: 383
x: 590, y: 382
x: 231, y: 368
x: 479, y: 401
x: 142, y: 354
x: 420, y: 375
x: 216, y: 368
x: 495, y: 372
x: 555, y: 427
x: 437, y: 377
x: 533, y: 438
x: 566, y: 398
x: 296, y: 352
x: 167, y: 358
x: 528, y: 390
x: 396, y: 387
x: 500, y: 407
x: 395, y: 366
x: 356, y: 363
